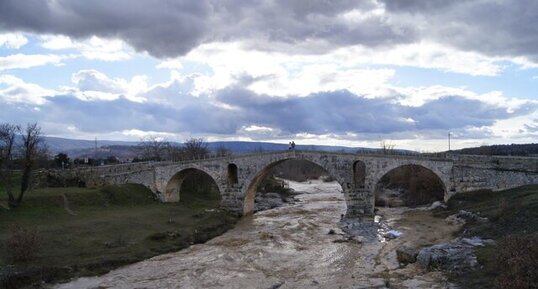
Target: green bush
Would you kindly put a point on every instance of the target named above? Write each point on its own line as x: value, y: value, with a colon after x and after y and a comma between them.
x: 517, y: 262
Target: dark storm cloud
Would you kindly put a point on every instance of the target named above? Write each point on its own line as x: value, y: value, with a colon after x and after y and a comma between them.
x: 172, y: 28
x: 495, y: 28
x: 341, y: 112
x: 335, y: 113
x: 164, y: 28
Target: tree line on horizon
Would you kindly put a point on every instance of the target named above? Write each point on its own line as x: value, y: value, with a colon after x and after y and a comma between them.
x: 503, y: 150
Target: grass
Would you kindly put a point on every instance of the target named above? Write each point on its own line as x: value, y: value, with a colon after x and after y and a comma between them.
x: 512, y: 214
x: 100, y: 230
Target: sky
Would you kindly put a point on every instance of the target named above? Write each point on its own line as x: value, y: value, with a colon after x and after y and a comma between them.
x: 348, y: 72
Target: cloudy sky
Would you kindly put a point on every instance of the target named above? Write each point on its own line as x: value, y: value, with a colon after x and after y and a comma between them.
x: 316, y: 71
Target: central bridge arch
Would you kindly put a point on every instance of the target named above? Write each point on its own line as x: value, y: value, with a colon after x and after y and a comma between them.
x: 259, y: 176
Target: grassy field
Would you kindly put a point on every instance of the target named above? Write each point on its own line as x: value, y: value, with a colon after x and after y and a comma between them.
x: 91, y: 231
x: 513, y: 224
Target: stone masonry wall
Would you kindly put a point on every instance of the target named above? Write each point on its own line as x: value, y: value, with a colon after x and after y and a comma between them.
x: 493, y: 172
x: 458, y: 173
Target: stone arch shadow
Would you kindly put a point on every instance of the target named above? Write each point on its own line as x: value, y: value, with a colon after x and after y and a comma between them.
x: 172, y: 191
x: 439, y: 176
x: 255, y: 180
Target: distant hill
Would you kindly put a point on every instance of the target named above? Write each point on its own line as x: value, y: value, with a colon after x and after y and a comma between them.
x: 58, y: 145
x: 75, y: 148
x: 124, y: 149
x: 502, y: 150
x: 245, y: 146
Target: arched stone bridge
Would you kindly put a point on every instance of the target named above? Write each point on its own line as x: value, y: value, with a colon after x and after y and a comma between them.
x: 237, y: 177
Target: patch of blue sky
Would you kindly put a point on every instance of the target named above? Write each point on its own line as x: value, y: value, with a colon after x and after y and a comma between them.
x: 192, y: 67
x: 31, y: 47
x: 512, y: 81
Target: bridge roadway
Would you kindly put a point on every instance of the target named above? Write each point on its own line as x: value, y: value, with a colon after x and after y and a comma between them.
x: 238, y: 176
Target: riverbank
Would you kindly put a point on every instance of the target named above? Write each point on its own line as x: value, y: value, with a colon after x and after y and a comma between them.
x: 87, y: 232
x: 296, y: 246
x: 303, y: 245
x: 510, y: 219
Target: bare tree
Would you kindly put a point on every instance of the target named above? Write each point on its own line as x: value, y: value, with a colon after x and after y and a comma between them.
x: 195, y: 148
x: 7, y: 147
x: 175, y: 153
x: 154, y: 149
x: 32, y: 147
x: 30, y: 150
x: 387, y: 148
x: 222, y: 151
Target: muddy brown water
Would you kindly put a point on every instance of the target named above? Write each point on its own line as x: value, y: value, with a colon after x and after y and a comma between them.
x: 289, y: 247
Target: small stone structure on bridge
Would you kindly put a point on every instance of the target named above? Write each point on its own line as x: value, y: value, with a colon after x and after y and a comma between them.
x: 237, y: 177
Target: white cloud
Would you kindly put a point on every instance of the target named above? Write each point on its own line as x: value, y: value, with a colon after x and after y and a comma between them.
x: 256, y: 128
x: 13, y: 40
x: 142, y: 134
x: 423, y: 55
x: 94, y: 85
x: 283, y: 75
x: 94, y: 48
x: 24, y: 61
x: 172, y: 64
x: 418, y: 96
x: 19, y: 91
x: 280, y: 74
x: 514, y: 128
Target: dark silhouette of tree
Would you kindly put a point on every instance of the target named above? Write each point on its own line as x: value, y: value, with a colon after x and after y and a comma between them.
x: 111, y: 160
x: 7, y: 148
x: 507, y: 149
x: 32, y: 147
x: 222, y: 151
x: 154, y: 149
x: 30, y: 150
x: 195, y: 148
x: 61, y: 160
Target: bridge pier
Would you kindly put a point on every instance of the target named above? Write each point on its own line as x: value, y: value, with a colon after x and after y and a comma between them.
x: 230, y: 200
x: 359, y: 203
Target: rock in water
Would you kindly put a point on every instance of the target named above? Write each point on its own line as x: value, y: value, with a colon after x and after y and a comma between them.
x: 463, y: 217
x: 436, y: 205
x: 456, y: 255
x: 392, y: 234
x: 406, y: 255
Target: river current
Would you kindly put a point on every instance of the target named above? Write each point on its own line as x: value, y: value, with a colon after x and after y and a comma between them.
x: 290, y: 247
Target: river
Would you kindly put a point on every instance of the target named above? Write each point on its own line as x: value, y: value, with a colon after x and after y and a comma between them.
x: 290, y: 247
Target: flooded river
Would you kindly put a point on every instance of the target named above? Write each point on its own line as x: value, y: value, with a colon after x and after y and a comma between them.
x: 290, y: 247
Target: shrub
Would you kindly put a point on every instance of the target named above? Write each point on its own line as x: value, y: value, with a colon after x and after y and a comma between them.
x: 22, y: 244
x: 518, y: 262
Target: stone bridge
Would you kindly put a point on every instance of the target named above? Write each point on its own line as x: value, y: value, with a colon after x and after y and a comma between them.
x: 237, y: 177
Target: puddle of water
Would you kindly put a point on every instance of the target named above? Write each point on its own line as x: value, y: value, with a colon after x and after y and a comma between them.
x: 286, y: 247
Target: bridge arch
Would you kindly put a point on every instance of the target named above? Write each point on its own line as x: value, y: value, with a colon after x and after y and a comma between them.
x: 258, y: 177
x: 175, y: 183
x: 359, y: 174
x: 419, y: 173
x: 232, y: 174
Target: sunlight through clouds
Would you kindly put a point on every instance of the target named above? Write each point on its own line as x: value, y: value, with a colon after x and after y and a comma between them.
x: 327, y: 72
